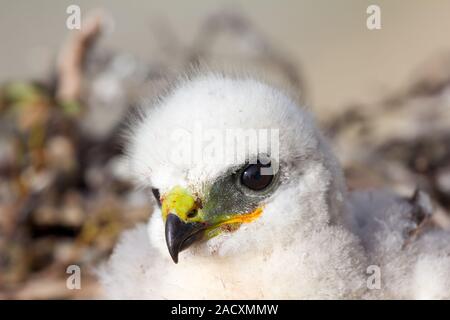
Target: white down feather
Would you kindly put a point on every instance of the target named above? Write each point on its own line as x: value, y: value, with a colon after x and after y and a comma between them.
x: 313, y: 239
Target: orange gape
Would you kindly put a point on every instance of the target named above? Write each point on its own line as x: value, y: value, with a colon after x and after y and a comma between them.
x: 244, y: 218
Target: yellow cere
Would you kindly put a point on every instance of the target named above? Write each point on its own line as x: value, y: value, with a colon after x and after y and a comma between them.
x: 181, y: 202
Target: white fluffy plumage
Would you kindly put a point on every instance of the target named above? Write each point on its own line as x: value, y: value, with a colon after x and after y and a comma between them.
x: 313, y: 239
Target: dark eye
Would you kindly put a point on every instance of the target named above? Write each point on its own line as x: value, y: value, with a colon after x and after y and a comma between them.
x: 157, y: 196
x: 252, y: 178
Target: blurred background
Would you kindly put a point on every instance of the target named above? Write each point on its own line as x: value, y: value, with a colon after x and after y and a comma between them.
x: 382, y: 96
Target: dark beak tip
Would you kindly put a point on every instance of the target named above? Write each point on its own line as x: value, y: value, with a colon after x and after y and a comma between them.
x: 173, y: 251
x: 174, y: 258
x: 173, y: 224
x: 179, y: 234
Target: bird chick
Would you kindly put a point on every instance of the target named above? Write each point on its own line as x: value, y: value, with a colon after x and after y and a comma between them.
x: 274, y: 221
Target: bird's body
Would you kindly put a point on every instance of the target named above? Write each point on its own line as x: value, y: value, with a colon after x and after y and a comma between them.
x: 298, y: 236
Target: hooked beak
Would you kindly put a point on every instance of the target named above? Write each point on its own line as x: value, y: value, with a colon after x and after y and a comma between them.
x: 180, y: 235
x: 184, y: 220
x: 187, y: 223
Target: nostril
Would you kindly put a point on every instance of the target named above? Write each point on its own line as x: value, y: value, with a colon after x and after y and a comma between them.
x: 192, y: 214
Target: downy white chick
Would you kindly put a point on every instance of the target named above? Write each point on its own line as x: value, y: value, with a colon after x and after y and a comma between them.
x: 236, y: 233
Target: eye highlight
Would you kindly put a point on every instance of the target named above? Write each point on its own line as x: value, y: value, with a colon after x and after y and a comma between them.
x: 252, y: 178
